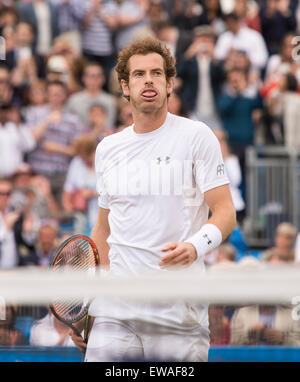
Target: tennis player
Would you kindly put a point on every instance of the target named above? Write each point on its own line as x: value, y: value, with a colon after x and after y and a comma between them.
x: 157, y: 181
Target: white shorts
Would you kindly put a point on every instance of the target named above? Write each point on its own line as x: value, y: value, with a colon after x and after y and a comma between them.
x: 114, y: 340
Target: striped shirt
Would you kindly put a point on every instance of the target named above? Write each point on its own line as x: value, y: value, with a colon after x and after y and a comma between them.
x: 49, y: 163
x: 97, y: 37
x: 68, y: 14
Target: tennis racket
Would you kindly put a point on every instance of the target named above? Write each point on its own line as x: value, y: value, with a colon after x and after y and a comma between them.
x: 77, y: 253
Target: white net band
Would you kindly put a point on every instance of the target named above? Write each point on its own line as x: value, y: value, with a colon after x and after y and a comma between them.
x: 278, y: 285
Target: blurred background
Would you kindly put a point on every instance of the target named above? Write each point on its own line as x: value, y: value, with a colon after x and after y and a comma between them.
x: 238, y: 70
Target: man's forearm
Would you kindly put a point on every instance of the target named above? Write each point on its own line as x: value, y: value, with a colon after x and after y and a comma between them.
x: 224, y: 219
x: 99, y: 236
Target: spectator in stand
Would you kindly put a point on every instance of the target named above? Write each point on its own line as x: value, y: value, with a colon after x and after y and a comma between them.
x: 281, y: 63
x: 212, y: 14
x: 175, y: 39
x: 36, y: 96
x: 156, y: 11
x: 23, y: 47
x: 284, y: 243
x: 277, y: 17
x: 226, y: 253
x: 98, y: 128
x: 7, y: 94
x: 15, y: 141
x: 49, y: 331
x: 234, y: 173
x: 282, y: 111
x: 175, y: 105
x: 124, y: 114
x: 26, y: 230
x: 38, y: 187
x: 42, y: 16
x: 8, y: 250
x: 202, y: 78
x: 69, y: 22
x: 25, y: 66
x: 52, y: 156
x: 185, y: 14
x: 131, y: 20
x: 264, y: 325
x: 223, y: 257
x: 8, y: 17
x: 98, y: 19
x: 9, y: 335
x: 248, y: 11
x: 80, y: 195
x: 80, y: 103
x: 240, y: 37
x: 238, y: 59
x: 239, y: 108
x: 219, y: 325
x: 65, y: 64
x: 46, y: 243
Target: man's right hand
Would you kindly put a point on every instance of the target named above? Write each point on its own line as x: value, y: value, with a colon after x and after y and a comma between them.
x: 78, y: 341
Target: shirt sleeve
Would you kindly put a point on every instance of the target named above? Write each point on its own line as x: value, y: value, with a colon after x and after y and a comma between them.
x: 103, y: 201
x: 209, y: 167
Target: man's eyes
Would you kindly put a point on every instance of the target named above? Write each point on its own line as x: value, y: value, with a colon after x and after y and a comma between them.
x: 155, y: 73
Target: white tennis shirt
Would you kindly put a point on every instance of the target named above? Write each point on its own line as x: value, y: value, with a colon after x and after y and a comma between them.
x: 154, y: 185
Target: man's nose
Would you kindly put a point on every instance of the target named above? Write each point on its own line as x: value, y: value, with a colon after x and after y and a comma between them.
x: 148, y: 78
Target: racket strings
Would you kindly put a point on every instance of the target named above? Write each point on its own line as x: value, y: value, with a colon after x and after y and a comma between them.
x: 77, y: 255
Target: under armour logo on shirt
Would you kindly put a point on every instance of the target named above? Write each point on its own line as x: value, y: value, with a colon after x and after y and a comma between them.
x: 165, y: 159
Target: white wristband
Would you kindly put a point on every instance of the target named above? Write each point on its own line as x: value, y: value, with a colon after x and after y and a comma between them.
x: 206, y: 239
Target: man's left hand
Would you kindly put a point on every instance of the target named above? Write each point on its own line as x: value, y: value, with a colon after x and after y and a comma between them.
x: 179, y: 254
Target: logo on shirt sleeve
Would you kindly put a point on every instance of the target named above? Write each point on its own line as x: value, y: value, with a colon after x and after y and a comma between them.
x: 220, y: 170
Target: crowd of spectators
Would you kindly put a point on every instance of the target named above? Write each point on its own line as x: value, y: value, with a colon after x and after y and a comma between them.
x: 238, y: 70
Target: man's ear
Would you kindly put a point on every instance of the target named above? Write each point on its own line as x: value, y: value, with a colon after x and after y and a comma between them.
x: 170, y: 85
x: 125, y: 88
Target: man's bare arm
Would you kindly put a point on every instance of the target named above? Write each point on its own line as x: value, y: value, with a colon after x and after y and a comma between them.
x: 223, y: 214
x: 99, y: 235
x: 222, y: 220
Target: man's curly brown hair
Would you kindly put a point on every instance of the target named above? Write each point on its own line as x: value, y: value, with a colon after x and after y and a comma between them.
x: 144, y: 46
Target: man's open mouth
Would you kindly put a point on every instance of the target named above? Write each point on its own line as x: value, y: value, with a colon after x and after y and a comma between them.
x: 149, y: 94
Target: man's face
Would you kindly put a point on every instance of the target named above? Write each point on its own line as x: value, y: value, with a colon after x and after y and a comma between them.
x: 232, y: 25
x: 56, y: 95
x: 147, y: 87
x: 97, y: 114
x: 24, y: 35
x: 47, y: 237
x: 93, y: 77
x: 206, y: 44
x: 237, y: 81
x: 284, y: 241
